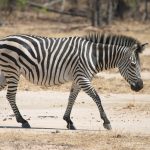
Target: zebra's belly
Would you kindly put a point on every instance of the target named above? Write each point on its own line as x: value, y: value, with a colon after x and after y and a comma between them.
x: 47, y: 78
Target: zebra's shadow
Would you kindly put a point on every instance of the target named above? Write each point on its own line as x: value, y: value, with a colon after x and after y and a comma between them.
x: 43, y: 128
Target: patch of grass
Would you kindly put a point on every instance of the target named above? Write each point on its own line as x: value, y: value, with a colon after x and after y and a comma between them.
x: 129, y: 106
x: 101, y: 85
x: 72, y: 140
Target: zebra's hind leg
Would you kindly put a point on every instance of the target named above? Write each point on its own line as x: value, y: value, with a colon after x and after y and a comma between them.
x: 73, y: 94
x: 11, y: 96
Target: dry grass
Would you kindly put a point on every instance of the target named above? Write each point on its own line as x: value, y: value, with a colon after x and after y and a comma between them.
x: 129, y: 106
x: 145, y: 63
x: 136, y: 107
x: 102, y: 85
x: 72, y: 140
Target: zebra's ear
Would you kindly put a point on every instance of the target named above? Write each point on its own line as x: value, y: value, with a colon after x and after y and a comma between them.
x: 138, y: 47
x: 144, y: 45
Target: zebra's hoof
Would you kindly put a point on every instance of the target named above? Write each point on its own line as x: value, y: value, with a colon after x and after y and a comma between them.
x: 107, y: 126
x: 26, y: 125
x: 71, y: 127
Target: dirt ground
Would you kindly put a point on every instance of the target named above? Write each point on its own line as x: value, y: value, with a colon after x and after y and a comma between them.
x: 129, y: 115
x: 43, y: 107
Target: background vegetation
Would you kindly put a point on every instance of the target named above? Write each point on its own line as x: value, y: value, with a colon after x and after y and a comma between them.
x: 98, y: 12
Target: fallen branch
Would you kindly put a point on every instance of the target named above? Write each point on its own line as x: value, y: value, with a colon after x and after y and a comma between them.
x: 32, y: 4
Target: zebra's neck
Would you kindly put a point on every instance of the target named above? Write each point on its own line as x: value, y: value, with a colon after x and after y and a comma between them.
x: 108, y: 56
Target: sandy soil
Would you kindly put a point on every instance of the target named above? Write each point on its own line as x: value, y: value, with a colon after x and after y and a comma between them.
x: 45, y: 109
x: 129, y: 115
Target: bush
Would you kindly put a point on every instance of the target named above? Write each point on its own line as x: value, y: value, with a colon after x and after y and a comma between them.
x: 11, y: 5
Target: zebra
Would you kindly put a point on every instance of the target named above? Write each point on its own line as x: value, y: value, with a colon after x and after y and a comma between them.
x: 53, y: 61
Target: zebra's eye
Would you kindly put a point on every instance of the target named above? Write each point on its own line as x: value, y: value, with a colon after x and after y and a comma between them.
x: 133, y: 61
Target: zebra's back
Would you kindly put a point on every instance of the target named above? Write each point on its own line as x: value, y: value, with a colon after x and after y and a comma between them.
x: 43, y: 61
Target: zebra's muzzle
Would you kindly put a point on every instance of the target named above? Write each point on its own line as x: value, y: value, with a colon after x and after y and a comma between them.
x: 137, y: 86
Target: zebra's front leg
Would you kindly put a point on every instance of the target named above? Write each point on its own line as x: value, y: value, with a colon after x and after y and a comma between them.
x: 86, y: 86
x: 11, y: 96
x: 93, y: 94
x: 73, y: 94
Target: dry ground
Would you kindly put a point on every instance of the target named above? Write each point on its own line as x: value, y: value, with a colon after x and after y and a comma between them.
x: 51, y: 140
x: 129, y: 113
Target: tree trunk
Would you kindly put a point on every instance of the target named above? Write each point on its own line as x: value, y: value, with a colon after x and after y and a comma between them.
x: 63, y: 5
x: 96, y: 15
x: 137, y: 9
x: 92, y: 12
x: 146, y: 17
x: 109, y: 11
x: 121, y: 8
x: 11, y: 5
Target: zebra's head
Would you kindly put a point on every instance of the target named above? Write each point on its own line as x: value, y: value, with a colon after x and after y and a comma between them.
x: 125, y: 55
x: 129, y: 66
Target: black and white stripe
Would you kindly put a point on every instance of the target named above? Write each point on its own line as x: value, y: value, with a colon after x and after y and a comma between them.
x: 52, y: 61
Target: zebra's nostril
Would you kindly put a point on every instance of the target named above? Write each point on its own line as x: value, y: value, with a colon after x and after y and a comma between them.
x: 137, y: 86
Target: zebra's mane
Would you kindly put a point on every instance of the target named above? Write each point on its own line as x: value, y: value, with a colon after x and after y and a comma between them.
x: 113, y: 39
